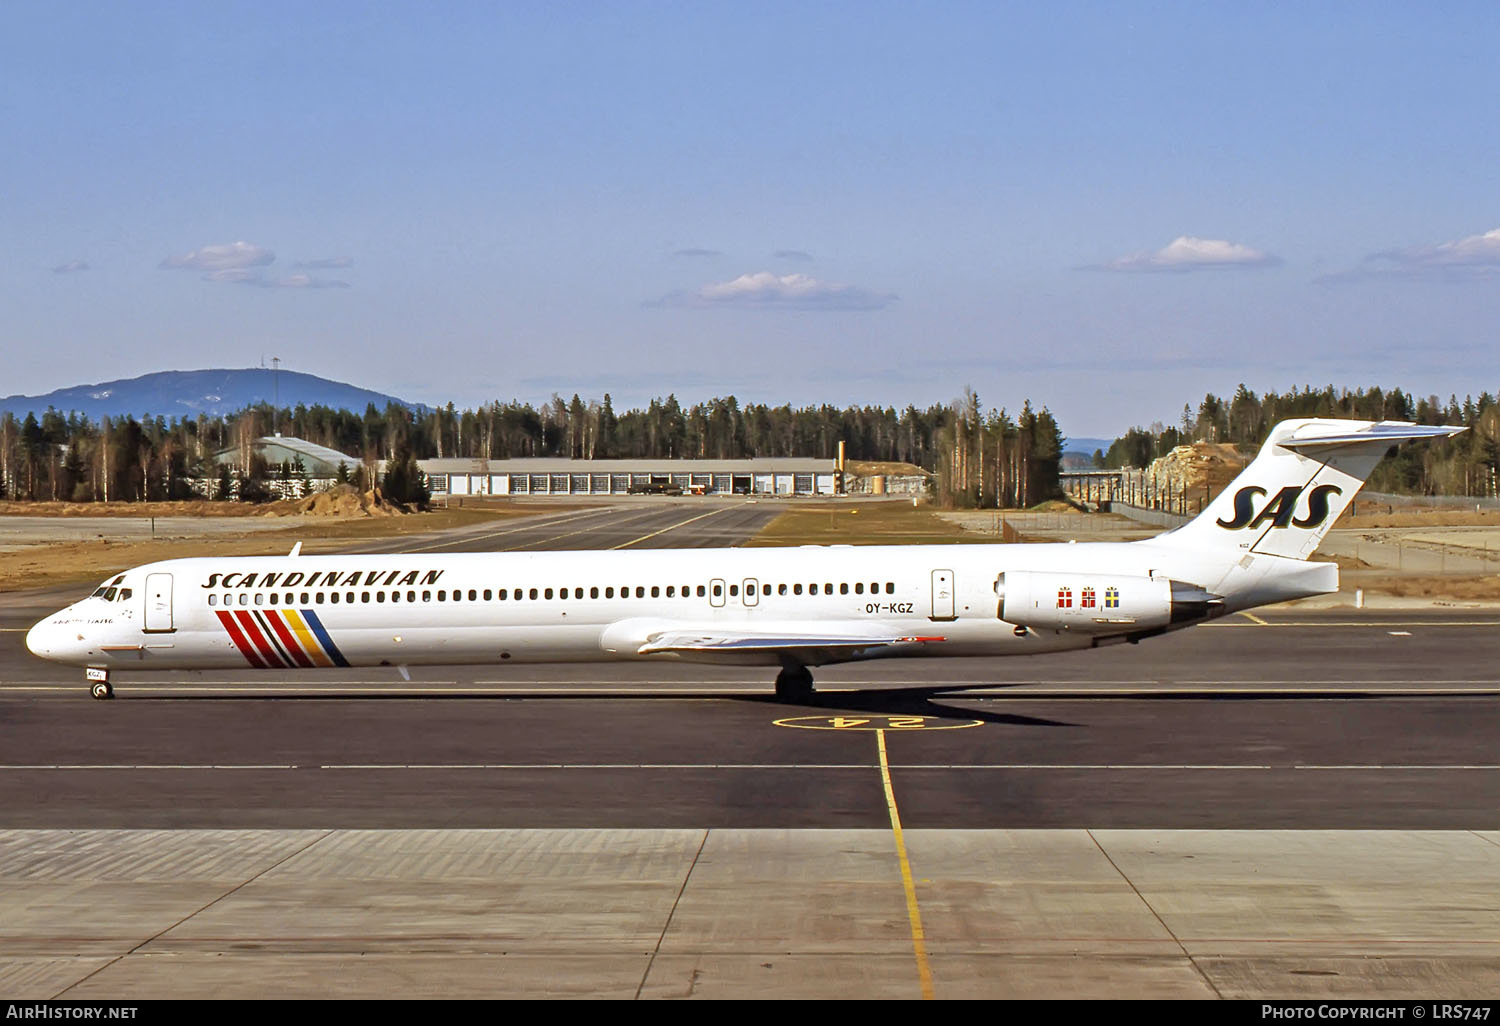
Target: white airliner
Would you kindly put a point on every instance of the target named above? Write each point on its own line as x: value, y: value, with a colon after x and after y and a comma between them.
x: 788, y: 607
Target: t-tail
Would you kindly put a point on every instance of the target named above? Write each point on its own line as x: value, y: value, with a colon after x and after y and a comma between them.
x: 1253, y: 541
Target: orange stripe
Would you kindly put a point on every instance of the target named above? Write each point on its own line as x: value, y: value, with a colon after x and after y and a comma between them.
x: 306, y: 636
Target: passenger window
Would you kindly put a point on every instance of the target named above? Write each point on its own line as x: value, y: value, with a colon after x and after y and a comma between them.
x: 609, y: 593
x: 395, y: 596
x: 533, y: 595
x: 734, y: 589
x: 781, y: 589
x: 411, y: 596
x: 718, y: 591
x: 671, y: 590
x: 244, y: 599
x: 700, y: 591
x: 796, y: 589
x: 890, y: 587
x: 749, y: 591
x: 443, y: 596
x: 593, y: 593
x: 364, y: 596
x: 473, y: 595
x: 844, y: 588
x: 655, y: 591
x: 548, y: 593
x: 319, y: 598
x: 380, y: 596
x: 859, y: 587
x: 213, y: 600
x: 578, y: 593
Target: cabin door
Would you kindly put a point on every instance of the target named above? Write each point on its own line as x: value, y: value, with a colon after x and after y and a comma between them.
x: 752, y: 587
x: 942, y: 595
x: 158, y: 603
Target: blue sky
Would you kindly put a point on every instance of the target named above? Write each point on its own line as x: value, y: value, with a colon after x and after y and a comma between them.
x: 1109, y: 209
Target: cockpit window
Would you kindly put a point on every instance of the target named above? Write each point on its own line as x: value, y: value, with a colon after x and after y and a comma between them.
x: 125, y: 593
x: 109, y: 594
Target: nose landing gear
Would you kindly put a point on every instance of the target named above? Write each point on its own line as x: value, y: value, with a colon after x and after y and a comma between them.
x: 97, y: 678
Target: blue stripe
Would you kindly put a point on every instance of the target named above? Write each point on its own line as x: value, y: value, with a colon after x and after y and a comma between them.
x: 322, y: 633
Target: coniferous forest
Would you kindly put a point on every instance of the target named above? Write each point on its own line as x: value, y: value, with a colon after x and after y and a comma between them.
x: 977, y: 456
x: 1465, y: 465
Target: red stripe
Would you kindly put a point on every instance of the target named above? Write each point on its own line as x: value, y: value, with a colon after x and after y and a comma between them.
x: 287, y: 639
x: 253, y: 633
x: 239, y: 640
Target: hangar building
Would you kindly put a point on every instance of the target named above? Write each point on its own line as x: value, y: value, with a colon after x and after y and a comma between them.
x: 543, y: 476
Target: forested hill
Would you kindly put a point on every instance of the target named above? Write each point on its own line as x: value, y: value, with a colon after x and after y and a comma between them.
x: 1467, y: 464
x: 188, y: 393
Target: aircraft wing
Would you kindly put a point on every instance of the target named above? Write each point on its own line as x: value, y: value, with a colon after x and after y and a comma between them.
x: 803, y: 645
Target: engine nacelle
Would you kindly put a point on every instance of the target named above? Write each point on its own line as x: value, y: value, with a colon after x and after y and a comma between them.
x: 1095, y: 603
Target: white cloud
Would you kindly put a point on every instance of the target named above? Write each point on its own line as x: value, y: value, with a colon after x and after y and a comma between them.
x: 1188, y: 253
x: 767, y: 291
x: 224, y: 257
x: 71, y: 267
x: 1471, y: 258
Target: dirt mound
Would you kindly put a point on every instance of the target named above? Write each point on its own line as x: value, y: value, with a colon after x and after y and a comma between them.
x: 1194, y: 468
x: 869, y: 468
x: 338, y: 501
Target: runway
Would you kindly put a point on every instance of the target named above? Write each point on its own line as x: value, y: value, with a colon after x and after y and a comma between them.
x: 1311, y: 743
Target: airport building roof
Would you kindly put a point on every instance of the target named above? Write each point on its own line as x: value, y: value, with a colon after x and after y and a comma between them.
x: 318, y: 460
x: 555, y: 465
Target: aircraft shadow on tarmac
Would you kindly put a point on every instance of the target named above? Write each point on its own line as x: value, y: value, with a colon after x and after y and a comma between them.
x: 913, y: 701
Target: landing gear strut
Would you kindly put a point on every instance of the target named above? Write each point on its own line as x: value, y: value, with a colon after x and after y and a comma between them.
x: 98, y: 681
x: 794, y: 683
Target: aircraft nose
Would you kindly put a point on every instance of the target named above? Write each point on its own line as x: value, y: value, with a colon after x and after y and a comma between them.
x: 41, y: 639
x: 50, y: 640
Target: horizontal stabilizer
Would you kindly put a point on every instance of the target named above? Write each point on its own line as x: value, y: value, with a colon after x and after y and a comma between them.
x: 1385, y: 432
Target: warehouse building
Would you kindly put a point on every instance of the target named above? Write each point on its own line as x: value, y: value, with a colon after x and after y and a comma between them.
x: 541, y: 476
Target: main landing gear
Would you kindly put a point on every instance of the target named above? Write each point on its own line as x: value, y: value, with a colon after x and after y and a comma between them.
x: 97, y: 678
x: 794, y: 683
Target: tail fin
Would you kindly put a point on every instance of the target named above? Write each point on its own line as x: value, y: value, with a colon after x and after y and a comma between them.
x: 1303, y: 478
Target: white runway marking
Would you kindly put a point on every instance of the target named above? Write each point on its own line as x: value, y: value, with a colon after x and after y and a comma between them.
x: 740, y: 766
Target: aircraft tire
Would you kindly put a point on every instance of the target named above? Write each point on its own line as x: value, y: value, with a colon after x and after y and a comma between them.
x: 102, y: 690
x: 794, y: 684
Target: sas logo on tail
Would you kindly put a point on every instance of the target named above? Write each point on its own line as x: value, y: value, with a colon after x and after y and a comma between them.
x: 1280, y: 511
